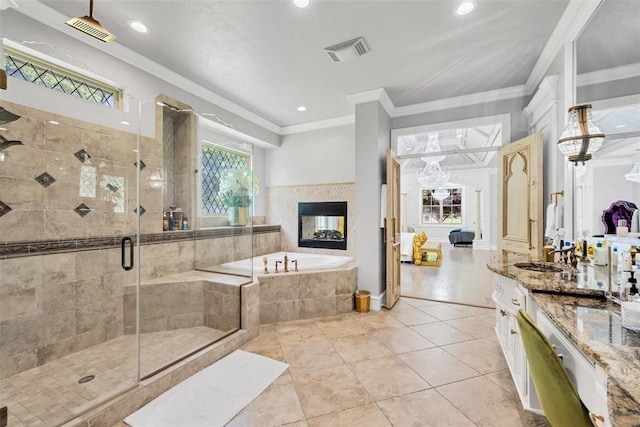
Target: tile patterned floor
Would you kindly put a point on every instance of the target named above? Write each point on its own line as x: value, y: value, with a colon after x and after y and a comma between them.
x: 423, y: 363
x: 50, y: 394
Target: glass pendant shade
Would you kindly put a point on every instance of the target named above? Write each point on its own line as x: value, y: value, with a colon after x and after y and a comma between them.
x: 581, y: 137
x: 441, y: 194
x: 433, y: 146
x: 432, y: 176
x: 634, y: 175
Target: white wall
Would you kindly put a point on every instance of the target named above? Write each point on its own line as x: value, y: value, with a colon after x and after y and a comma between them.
x: 317, y: 157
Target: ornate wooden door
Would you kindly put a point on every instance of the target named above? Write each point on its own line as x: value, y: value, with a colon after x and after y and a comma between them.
x: 520, y: 217
x: 392, y: 229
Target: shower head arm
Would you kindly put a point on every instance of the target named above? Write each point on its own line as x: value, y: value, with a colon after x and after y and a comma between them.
x: 91, y: 8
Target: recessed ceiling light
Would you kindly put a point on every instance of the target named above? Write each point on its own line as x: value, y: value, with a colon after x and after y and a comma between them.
x: 124, y: 122
x: 138, y: 26
x: 302, y: 108
x: 465, y: 7
x: 301, y: 3
x: 619, y: 126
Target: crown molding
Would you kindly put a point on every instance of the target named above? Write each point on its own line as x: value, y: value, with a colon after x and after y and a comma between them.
x: 462, y: 101
x: 379, y: 95
x: 609, y: 74
x: 570, y: 25
x: 547, y: 92
x: 53, y: 19
x: 322, y: 124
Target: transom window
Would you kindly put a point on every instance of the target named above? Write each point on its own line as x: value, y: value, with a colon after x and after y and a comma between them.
x: 447, y: 211
x: 38, y: 71
x: 216, y: 160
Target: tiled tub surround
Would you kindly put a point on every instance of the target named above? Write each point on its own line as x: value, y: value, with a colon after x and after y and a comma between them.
x: 55, y: 301
x: 303, y: 295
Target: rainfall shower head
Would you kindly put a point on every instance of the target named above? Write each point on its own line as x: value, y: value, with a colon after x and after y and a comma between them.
x: 90, y: 26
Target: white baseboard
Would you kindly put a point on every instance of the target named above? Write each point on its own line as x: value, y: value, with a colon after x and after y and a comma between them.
x: 377, y: 301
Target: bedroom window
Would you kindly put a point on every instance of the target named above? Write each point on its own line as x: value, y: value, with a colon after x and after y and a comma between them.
x: 447, y: 211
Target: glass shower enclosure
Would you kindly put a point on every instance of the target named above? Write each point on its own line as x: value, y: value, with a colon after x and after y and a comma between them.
x: 95, y: 293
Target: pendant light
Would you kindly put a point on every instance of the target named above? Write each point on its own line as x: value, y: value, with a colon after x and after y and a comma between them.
x: 581, y: 137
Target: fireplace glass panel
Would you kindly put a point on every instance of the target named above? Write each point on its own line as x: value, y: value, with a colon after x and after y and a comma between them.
x: 322, y: 225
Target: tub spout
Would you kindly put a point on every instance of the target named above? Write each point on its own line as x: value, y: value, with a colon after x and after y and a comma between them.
x: 277, y: 262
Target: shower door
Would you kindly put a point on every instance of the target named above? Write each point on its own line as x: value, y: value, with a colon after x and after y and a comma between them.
x: 69, y: 213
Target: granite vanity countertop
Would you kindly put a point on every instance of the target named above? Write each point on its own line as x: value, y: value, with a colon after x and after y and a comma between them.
x: 565, y: 282
x: 594, y: 326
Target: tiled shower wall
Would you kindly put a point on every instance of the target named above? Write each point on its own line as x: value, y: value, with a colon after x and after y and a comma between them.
x: 282, y: 208
x: 74, y: 179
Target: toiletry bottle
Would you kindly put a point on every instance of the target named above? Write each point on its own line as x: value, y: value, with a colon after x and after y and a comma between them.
x: 172, y: 222
x: 165, y: 222
x: 622, y: 230
x: 614, y: 257
x: 185, y: 223
x: 600, y: 257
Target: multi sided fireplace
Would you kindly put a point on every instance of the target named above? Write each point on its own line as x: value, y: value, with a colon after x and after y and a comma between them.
x: 322, y: 225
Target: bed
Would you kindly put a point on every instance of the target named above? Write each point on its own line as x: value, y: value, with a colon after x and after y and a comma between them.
x: 461, y: 236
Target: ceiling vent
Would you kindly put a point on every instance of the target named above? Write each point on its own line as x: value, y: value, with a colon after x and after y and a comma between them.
x: 348, y: 50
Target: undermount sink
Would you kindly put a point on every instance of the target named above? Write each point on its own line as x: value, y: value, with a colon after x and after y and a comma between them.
x: 534, y: 266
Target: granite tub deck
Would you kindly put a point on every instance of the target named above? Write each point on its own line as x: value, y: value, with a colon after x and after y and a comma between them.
x: 578, y: 307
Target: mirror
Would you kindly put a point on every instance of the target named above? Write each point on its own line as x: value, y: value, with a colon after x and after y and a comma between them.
x: 608, y: 77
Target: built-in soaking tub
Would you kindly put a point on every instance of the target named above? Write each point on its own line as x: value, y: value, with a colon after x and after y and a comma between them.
x: 322, y: 286
x: 305, y: 262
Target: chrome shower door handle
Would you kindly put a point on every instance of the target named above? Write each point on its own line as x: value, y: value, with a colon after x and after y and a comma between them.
x: 123, y: 244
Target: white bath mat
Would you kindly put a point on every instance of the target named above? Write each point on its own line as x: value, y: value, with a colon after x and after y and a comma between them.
x: 213, y: 396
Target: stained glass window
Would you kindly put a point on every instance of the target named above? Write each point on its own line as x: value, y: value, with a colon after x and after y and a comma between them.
x: 215, y: 160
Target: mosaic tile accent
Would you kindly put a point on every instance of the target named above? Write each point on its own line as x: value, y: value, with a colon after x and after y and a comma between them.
x: 82, y: 155
x: 88, y: 177
x: 142, y: 210
x: 4, y: 209
x: 142, y: 164
x: 45, y: 179
x: 82, y: 210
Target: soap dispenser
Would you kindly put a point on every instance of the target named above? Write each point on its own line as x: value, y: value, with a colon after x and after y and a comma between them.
x: 600, y: 257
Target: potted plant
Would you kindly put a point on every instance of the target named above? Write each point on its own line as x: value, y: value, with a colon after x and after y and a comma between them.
x: 236, y: 187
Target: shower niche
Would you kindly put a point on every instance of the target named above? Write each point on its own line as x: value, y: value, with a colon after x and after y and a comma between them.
x: 322, y: 225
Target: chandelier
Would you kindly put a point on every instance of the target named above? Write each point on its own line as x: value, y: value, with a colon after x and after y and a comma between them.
x: 634, y: 174
x: 432, y: 176
x: 581, y: 137
x: 440, y: 194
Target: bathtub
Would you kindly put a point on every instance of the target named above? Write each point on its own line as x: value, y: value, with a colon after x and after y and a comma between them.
x: 305, y: 262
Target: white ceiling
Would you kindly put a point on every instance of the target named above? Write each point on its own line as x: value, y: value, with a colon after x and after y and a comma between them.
x: 267, y: 56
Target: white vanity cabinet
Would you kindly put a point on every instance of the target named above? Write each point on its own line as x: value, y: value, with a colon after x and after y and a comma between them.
x: 590, y: 380
x: 509, y: 297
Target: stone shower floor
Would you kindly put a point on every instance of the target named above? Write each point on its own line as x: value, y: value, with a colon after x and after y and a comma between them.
x: 50, y: 394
